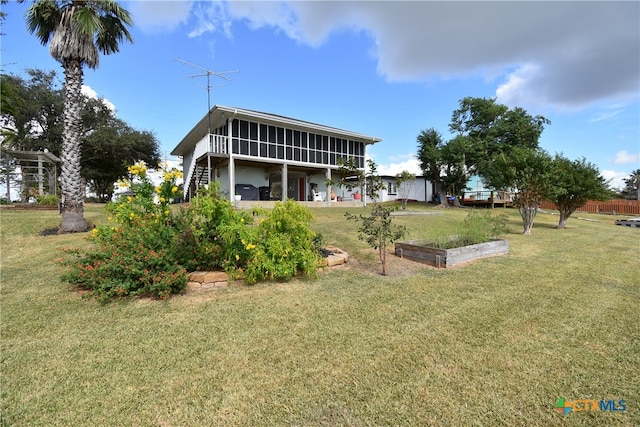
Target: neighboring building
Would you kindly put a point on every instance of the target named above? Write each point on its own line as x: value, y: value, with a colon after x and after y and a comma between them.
x: 262, y: 156
x: 421, y: 190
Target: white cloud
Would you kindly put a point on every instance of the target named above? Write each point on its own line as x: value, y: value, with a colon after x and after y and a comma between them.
x: 605, y: 115
x: 157, y: 16
x: 624, y: 156
x: 562, y: 54
x: 411, y: 165
x: 615, y: 178
x: 89, y: 92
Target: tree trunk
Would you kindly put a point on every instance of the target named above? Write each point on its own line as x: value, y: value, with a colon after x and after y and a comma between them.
x: 528, y: 212
x: 564, y: 216
x: 72, y: 208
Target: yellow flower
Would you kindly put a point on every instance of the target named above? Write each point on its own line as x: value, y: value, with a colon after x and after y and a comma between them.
x: 158, y: 189
x: 237, y: 257
x: 174, y: 189
x: 132, y: 215
x: 250, y: 246
x: 162, y: 200
x: 94, y: 231
x: 129, y: 199
x: 242, y: 220
x: 167, y: 212
x: 167, y: 177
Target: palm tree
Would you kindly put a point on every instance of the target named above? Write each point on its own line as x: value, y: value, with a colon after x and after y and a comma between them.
x: 77, y: 32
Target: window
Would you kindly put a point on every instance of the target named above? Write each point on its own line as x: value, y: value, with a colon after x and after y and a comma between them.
x: 244, y: 129
x: 391, y: 188
x: 263, y: 133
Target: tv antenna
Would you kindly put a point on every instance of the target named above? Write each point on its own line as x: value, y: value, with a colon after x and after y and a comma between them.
x: 208, y: 73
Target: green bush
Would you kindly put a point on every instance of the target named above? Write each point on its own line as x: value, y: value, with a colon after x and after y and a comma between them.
x: 48, y: 200
x: 146, y: 250
x: 211, y: 233
x: 479, y: 226
x: 136, y: 259
x: 135, y: 254
x: 283, y: 245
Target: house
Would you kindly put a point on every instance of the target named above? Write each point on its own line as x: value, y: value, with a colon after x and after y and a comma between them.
x: 419, y: 190
x: 262, y: 156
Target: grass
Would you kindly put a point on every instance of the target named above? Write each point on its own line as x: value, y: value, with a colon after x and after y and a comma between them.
x: 495, y: 342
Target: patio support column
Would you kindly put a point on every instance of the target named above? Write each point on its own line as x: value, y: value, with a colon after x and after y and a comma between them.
x: 232, y: 179
x: 209, y: 168
x: 232, y: 163
x: 328, y: 177
x: 285, y: 182
x: 40, y: 176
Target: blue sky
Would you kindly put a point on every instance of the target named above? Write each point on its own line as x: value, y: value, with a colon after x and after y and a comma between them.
x: 385, y: 69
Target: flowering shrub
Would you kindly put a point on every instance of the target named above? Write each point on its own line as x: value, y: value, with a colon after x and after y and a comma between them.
x: 135, y: 254
x: 147, y: 250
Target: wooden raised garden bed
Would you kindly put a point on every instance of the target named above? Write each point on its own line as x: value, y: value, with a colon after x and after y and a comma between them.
x: 420, y: 251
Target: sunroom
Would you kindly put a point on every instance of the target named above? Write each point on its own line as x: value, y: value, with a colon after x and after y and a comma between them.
x: 262, y: 157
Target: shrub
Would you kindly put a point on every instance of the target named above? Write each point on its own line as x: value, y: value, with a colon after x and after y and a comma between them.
x: 283, y: 245
x: 211, y: 233
x: 479, y: 226
x: 47, y: 200
x: 136, y: 254
x: 136, y: 259
x: 147, y: 250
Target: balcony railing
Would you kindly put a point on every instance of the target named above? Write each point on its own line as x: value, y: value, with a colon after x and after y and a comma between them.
x: 218, y: 144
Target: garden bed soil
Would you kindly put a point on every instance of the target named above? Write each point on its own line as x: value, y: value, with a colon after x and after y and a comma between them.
x: 420, y: 251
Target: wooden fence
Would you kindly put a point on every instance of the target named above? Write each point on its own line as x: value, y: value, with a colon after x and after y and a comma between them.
x: 617, y: 206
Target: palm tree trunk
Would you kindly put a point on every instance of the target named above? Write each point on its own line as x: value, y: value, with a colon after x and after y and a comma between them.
x: 72, y: 208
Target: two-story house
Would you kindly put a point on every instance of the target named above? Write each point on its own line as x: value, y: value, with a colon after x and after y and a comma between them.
x: 261, y: 156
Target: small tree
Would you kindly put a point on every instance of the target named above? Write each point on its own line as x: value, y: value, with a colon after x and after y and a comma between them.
x: 404, y: 183
x: 574, y: 184
x: 632, y: 185
x: 377, y: 229
x: 528, y: 172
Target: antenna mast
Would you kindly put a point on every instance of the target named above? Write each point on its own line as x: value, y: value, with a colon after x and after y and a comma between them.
x: 208, y: 73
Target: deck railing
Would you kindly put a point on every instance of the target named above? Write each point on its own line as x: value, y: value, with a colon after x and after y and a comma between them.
x: 208, y: 144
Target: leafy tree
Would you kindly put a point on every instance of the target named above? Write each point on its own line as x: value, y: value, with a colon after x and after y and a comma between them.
x: 632, y: 184
x: 108, y: 150
x: 77, y: 32
x: 491, y: 129
x: 443, y: 164
x: 528, y: 172
x: 379, y: 231
x: 574, y: 184
x: 32, y: 111
x: 430, y: 145
x: 404, y: 183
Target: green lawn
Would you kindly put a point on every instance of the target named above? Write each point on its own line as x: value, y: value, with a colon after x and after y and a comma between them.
x: 495, y: 342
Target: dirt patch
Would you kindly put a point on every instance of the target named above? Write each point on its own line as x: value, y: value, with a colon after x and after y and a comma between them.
x: 396, y: 266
